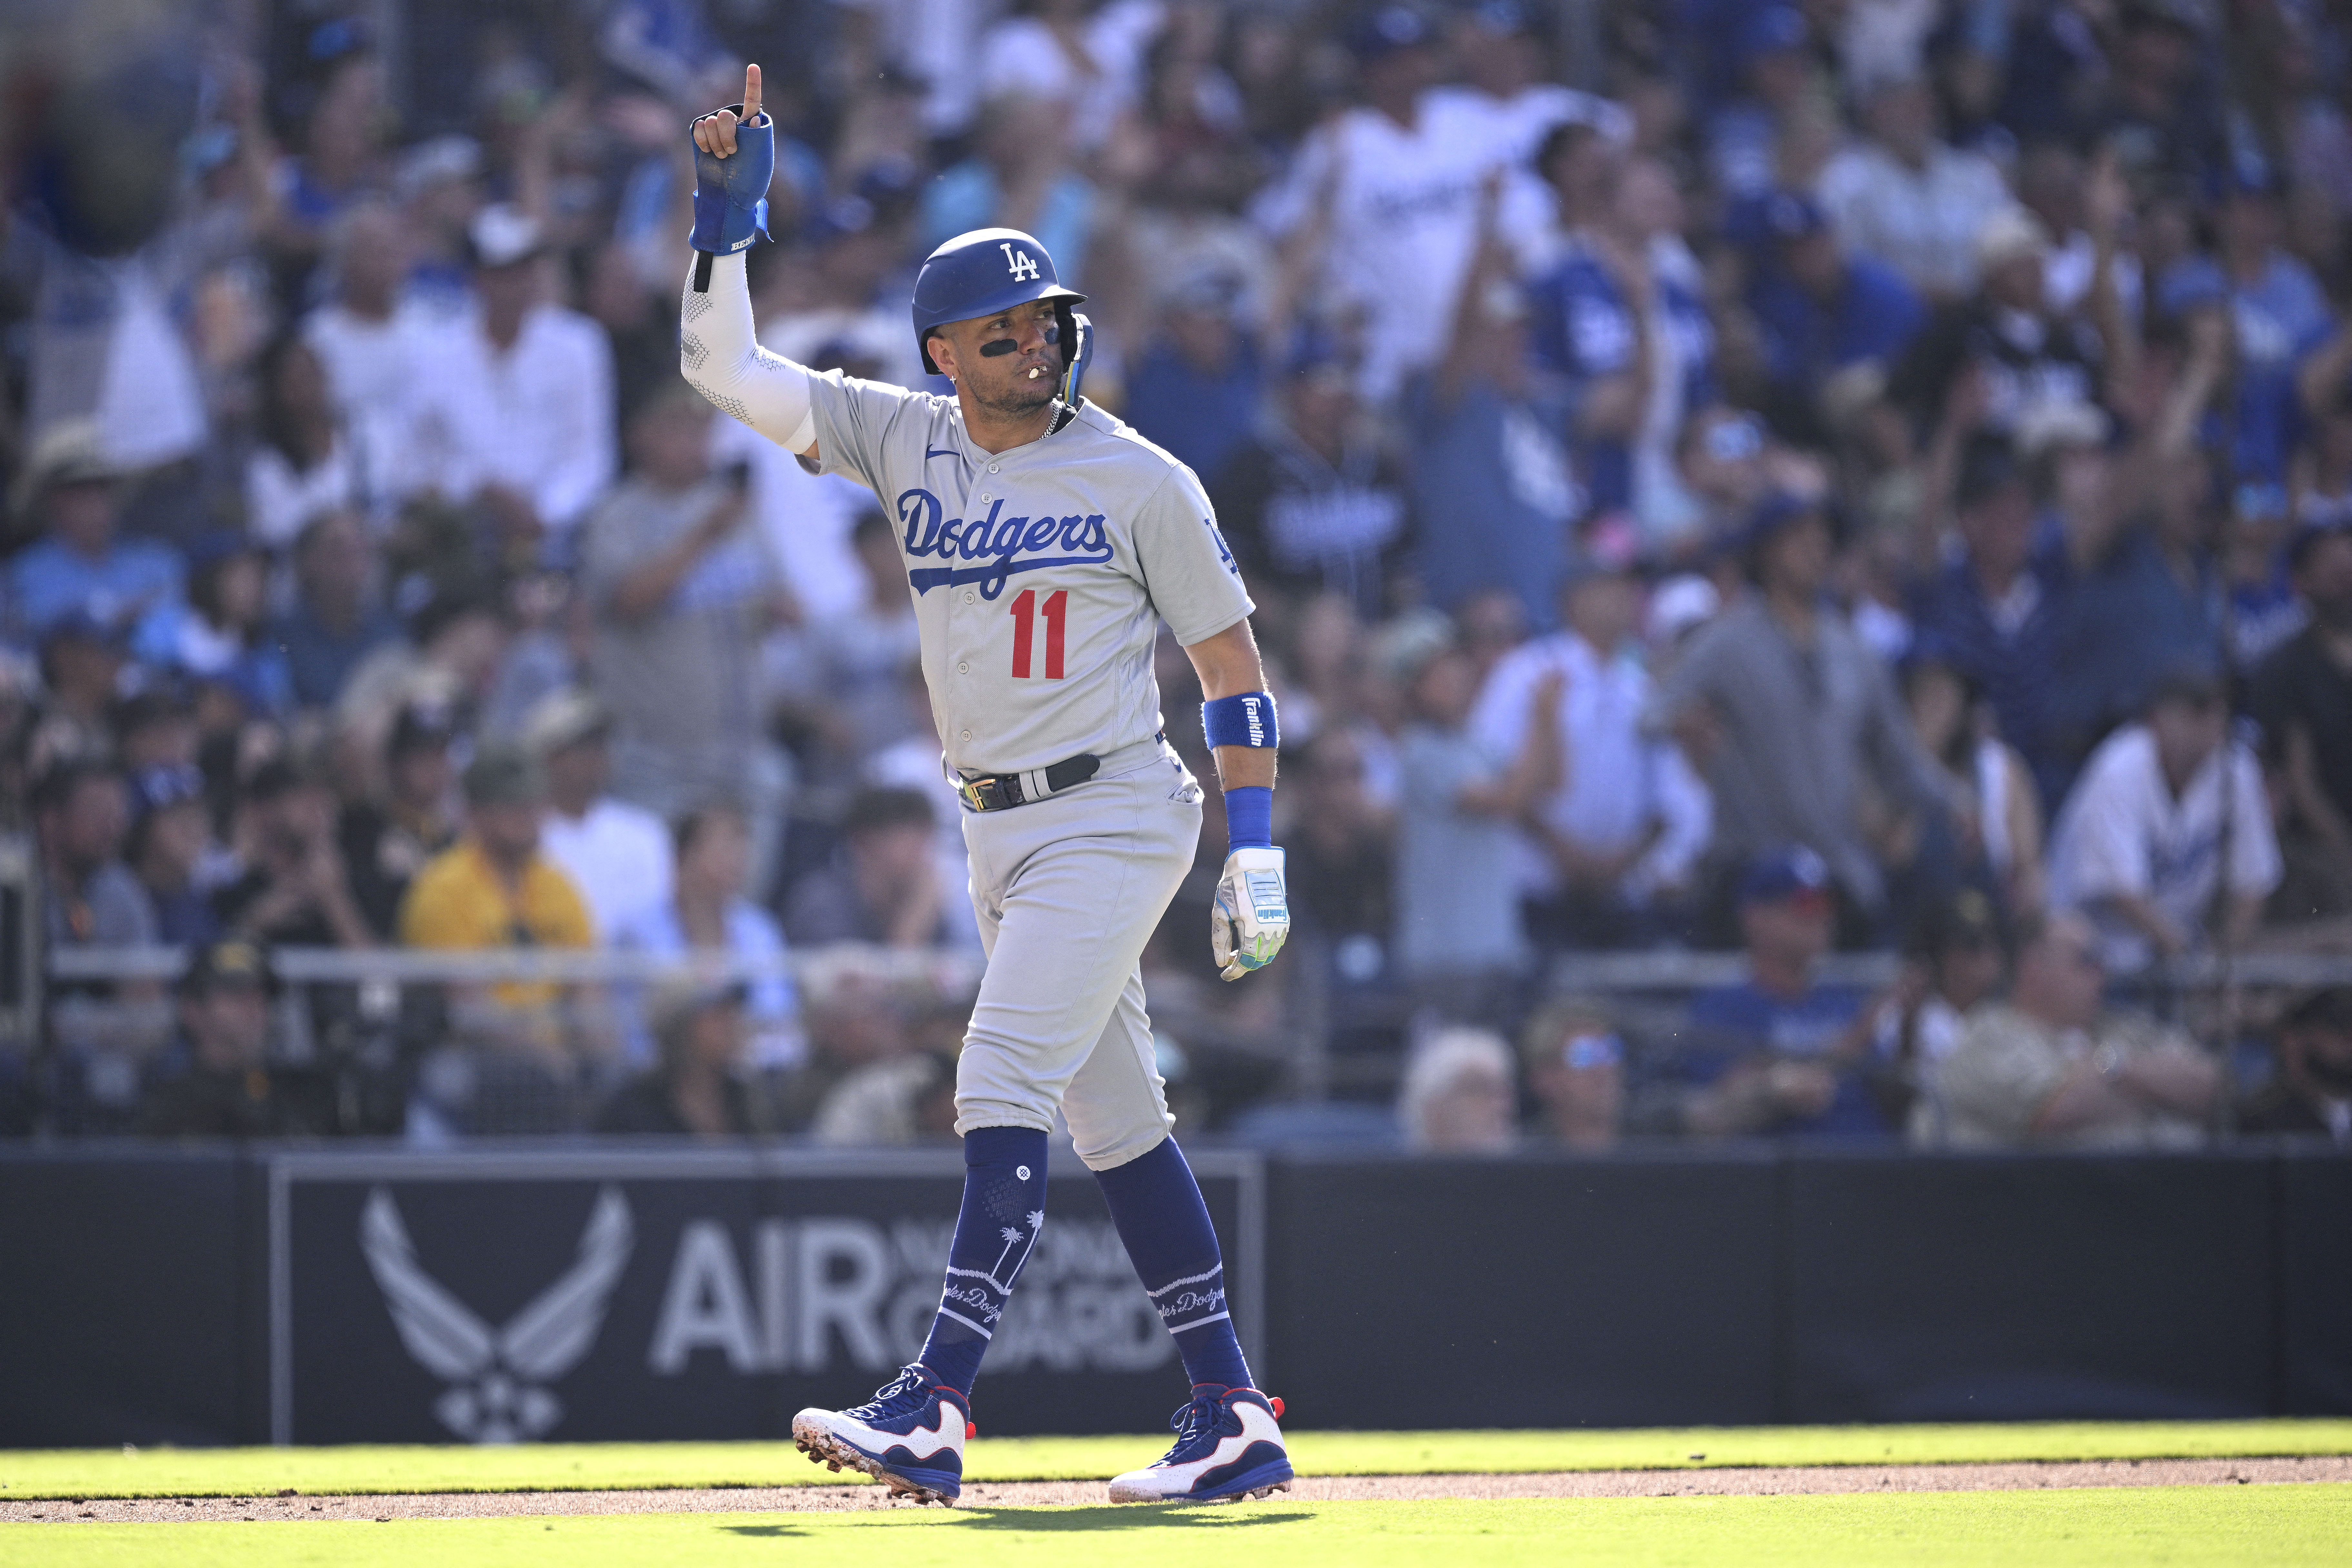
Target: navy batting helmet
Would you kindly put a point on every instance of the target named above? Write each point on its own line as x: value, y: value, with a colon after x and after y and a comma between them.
x: 983, y: 272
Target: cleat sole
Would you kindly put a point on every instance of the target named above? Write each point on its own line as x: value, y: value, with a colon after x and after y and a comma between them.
x: 823, y: 1447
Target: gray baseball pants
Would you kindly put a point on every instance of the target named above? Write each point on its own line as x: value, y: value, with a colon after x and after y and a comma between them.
x: 1069, y: 889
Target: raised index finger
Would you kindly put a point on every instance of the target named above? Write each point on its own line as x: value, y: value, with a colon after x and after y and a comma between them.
x: 750, y: 94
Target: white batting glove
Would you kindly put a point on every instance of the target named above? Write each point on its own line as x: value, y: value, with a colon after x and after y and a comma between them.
x: 1252, y: 914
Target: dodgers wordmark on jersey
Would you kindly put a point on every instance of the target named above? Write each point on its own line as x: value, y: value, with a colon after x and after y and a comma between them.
x: 1039, y: 575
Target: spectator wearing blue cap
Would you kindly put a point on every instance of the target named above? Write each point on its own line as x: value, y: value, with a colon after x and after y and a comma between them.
x: 1764, y: 71
x: 1792, y: 719
x: 1199, y: 387
x: 1834, y: 324
x: 171, y: 829
x: 1779, y: 1051
x: 82, y: 661
x: 2279, y: 310
x: 216, y: 633
x: 2301, y: 695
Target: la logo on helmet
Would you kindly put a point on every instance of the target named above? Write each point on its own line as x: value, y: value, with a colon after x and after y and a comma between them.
x: 1022, y: 264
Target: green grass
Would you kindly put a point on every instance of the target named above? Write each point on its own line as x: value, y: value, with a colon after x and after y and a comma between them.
x: 235, y: 1472
x: 2212, y: 1527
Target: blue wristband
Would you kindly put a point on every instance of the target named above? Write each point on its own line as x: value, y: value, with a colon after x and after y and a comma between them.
x: 1249, y: 817
x: 1243, y: 720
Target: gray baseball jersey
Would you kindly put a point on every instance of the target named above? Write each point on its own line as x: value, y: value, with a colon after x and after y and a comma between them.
x: 1040, y: 575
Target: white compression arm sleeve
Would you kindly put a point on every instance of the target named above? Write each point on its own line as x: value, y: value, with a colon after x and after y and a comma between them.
x: 722, y: 359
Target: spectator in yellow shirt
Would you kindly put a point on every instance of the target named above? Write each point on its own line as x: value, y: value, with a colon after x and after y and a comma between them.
x: 494, y: 888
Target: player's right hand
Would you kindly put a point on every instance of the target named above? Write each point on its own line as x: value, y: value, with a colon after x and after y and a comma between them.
x: 1251, y: 916
x: 734, y: 163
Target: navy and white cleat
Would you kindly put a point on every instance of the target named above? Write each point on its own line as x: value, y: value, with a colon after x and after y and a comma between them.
x: 910, y: 1436
x: 1227, y: 1447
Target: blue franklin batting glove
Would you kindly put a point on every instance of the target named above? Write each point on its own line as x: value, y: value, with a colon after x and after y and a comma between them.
x: 731, y: 194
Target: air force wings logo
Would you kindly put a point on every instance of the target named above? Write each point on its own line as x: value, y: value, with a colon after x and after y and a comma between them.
x: 497, y: 1375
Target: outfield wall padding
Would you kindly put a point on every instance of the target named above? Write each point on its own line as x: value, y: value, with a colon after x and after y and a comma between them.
x: 595, y: 1291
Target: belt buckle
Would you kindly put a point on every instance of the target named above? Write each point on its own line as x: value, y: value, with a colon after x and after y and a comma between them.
x: 969, y: 789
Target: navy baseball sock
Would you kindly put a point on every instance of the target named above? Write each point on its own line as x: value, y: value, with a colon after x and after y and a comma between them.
x: 1156, y: 1205
x: 1004, y: 1204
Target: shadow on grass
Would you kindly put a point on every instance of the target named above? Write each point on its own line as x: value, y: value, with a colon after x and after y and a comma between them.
x: 1069, y: 1520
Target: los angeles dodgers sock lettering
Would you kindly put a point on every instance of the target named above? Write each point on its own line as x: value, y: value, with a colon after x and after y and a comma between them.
x: 1156, y: 1203
x: 1004, y: 1205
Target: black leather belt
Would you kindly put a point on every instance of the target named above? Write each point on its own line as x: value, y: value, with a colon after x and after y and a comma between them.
x: 1003, y: 791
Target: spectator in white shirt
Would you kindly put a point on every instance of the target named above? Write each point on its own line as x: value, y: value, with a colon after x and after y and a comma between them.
x: 1908, y: 199
x: 518, y: 400
x: 371, y: 342
x: 618, y: 855
x: 1075, y: 52
x: 301, y: 470
x: 1402, y: 174
x: 2137, y: 845
x: 1609, y: 854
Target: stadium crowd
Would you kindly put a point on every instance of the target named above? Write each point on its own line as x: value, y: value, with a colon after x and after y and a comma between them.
x: 1865, y: 474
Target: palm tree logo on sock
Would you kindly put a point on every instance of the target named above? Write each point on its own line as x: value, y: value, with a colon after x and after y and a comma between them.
x: 1013, y: 1238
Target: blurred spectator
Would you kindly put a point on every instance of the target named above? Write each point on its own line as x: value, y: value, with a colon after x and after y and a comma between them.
x: 301, y: 468
x: 1995, y: 612
x: 617, y: 855
x: 1458, y: 937
x: 1779, y: 1052
x: 883, y: 886
x: 1999, y: 839
x: 1954, y: 961
x: 1834, y: 323
x: 699, y: 1089
x: 494, y: 888
x: 1340, y: 847
x: 1493, y: 490
x: 1613, y: 844
x: 375, y: 349
x: 92, y: 899
x: 682, y: 591
x: 1020, y: 178
x: 1576, y: 1071
x: 2312, y: 1094
x: 295, y: 890
x: 1761, y: 77
x: 1397, y: 180
x: 705, y: 911
x: 1198, y: 387
x: 83, y: 663
x: 216, y: 636
x: 1083, y: 56
x: 516, y: 402
x: 898, y: 1102
x: 2302, y: 697
x: 1315, y: 503
x: 2053, y: 1068
x: 1458, y: 1094
x: 171, y: 828
x: 80, y: 566
x: 1622, y: 318
x: 1791, y: 719
x: 226, y: 1085
x: 457, y: 639
x: 385, y: 844
x: 846, y: 680
x: 334, y: 623
x: 2278, y: 311
x: 2165, y: 813
x: 1910, y: 200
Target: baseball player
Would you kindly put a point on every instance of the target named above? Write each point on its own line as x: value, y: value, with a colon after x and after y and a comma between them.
x: 1044, y: 542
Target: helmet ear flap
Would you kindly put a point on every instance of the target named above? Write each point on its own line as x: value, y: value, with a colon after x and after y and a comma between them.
x: 923, y: 347
x: 1065, y: 317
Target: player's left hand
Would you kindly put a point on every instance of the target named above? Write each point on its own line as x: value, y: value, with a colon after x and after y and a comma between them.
x: 1251, y: 916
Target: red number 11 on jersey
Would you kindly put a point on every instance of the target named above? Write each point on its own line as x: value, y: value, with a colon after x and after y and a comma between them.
x: 1024, y: 611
